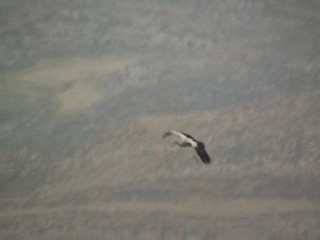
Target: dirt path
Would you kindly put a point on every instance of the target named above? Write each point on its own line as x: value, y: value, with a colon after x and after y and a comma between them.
x: 215, y: 208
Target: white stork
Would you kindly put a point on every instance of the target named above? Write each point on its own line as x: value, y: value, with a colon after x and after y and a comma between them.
x: 189, y: 141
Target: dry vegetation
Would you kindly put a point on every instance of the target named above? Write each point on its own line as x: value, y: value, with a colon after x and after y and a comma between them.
x: 132, y: 171
x: 241, y: 75
x: 249, y: 144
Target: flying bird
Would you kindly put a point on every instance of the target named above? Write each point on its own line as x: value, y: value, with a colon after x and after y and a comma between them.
x: 189, y: 141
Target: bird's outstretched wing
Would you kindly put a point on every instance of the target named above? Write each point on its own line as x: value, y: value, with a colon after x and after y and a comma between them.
x: 179, y: 134
x: 183, y: 136
x: 203, y: 154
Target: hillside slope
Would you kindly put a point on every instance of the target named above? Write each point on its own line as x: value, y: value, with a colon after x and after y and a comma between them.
x: 261, y: 151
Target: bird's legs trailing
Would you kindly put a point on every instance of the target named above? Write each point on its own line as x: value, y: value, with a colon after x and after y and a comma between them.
x: 183, y: 144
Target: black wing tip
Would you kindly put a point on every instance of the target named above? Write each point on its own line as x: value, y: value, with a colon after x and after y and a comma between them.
x: 206, y: 161
x: 203, y: 155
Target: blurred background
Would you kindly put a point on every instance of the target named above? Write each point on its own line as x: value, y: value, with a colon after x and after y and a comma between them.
x: 89, y: 86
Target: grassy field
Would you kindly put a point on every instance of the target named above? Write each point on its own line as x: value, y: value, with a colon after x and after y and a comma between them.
x: 89, y: 87
x: 244, y: 218
x: 265, y: 171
